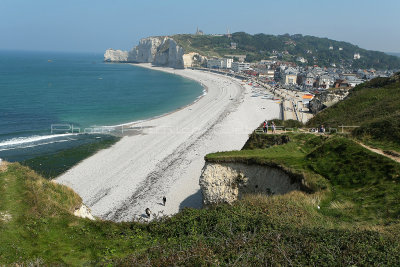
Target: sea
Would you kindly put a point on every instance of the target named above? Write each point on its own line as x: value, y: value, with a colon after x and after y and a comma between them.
x: 50, y: 101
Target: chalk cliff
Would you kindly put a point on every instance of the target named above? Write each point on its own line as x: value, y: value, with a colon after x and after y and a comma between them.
x: 160, y: 51
x: 112, y: 55
x: 227, y: 182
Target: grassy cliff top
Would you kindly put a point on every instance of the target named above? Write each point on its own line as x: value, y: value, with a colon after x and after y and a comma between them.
x: 341, y: 169
x: 358, y: 222
x: 374, y: 106
x: 37, y: 227
x: 262, y: 46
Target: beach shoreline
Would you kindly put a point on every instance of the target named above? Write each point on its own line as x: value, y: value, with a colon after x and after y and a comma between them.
x: 166, y: 156
x: 167, y: 70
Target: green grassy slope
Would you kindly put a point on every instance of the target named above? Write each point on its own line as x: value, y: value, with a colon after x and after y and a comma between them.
x: 277, y: 230
x: 375, y: 106
x: 261, y: 46
x: 358, y: 184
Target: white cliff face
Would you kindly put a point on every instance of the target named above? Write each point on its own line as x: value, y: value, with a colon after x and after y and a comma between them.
x: 145, y: 51
x: 169, y: 54
x: 227, y: 182
x: 193, y: 59
x: 160, y: 51
x: 112, y: 55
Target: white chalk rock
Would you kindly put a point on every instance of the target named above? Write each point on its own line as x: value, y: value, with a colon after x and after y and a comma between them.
x: 112, y: 55
x: 227, y: 182
x: 84, y: 212
x: 160, y: 51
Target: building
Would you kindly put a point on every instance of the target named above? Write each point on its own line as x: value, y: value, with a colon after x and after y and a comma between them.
x: 219, y: 63
x: 290, y: 78
x: 267, y: 74
x: 307, y: 98
x: 233, y: 45
x: 227, y: 63
x: 340, y: 83
x: 353, y: 81
x: 214, y: 63
x: 302, y: 59
x: 240, y: 66
x: 199, y: 32
x: 325, y: 81
x: 308, y: 79
x: 357, y: 56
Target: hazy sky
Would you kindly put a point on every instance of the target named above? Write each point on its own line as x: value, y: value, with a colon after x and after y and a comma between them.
x: 95, y: 25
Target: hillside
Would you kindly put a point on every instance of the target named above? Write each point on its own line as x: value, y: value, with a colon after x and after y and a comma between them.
x: 374, y: 106
x: 261, y: 46
x: 357, y: 223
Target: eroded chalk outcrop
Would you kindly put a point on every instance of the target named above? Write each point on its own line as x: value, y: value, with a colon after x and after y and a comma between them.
x: 159, y: 50
x: 112, y: 55
x: 84, y: 212
x: 227, y: 182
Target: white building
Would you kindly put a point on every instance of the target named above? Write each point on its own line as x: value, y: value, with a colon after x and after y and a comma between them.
x: 290, y: 78
x: 240, y: 66
x: 214, y: 63
x: 227, y: 63
x: 357, y: 56
x: 326, y: 81
x: 302, y: 59
x: 219, y: 63
x: 353, y: 81
x: 270, y: 74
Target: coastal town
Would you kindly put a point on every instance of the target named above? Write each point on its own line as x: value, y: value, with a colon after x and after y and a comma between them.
x: 303, y: 88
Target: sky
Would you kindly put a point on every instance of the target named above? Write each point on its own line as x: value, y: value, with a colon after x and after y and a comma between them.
x: 96, y: 25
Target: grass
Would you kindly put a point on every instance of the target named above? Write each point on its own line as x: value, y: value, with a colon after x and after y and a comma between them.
x: 277, y: 230
x: 52, y: 165
x: 363, y: 186
x: 366, y: 183
x: 375, y: 107
x: 357, y: 224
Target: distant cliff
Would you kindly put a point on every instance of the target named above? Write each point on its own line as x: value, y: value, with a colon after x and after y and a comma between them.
x: 160, y: 51
x: 112, y: 55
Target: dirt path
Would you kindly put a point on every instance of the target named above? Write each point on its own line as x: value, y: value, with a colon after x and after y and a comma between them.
x: 380, y: 152
x: 375, y: 150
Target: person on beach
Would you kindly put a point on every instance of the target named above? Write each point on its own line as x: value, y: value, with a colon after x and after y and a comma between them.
x: 273, y: 127
x: 164, y: 199
x: 148, y: 213
x: 265, y: 126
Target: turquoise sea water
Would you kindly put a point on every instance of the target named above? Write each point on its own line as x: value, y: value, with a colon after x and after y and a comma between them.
x: 38, y: 89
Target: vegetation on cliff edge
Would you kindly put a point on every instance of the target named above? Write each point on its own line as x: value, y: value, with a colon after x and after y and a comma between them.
x: 278, y: 230
x: 374, y: 106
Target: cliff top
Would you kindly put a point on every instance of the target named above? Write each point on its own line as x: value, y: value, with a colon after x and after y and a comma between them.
x: 317, y: 51
x: 375, y: 107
